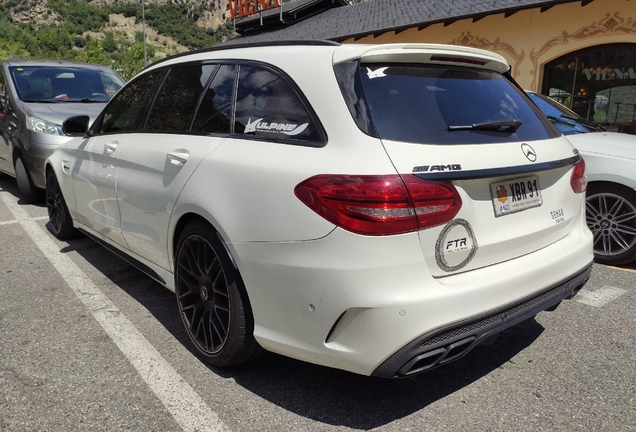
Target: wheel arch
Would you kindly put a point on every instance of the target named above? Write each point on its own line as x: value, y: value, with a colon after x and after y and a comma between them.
x: 187, y: 218
x: 612, y: 183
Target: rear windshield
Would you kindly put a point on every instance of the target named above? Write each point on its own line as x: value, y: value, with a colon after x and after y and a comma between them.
x: 65, y: 84
x: 432, y: 104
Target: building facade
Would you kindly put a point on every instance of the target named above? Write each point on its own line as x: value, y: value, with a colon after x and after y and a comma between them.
x: 582, y: 53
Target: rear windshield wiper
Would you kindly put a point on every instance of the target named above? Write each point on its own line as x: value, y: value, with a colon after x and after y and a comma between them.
x: 559, y: 120
x: 497, y: 126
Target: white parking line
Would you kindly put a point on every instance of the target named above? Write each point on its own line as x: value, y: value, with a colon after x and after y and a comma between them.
x: 599, y: 297
x: 185, y: 405
x: 623, y: 269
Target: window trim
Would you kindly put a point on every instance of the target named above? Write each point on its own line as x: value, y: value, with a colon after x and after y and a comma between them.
x: 323, y: 137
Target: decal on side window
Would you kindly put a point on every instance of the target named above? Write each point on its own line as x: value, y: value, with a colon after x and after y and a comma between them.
x: 259, y: 125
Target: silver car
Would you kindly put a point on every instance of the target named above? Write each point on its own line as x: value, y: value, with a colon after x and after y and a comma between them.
x: 36, y: 96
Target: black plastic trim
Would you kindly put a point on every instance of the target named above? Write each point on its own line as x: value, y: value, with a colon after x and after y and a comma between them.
x: 123, y: 255
x: 453, y: 341
x: 499, y: 172
x: 308, y: 42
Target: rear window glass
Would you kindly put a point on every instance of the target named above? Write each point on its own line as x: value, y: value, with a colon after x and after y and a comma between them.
x: 431, y: 104
x: 215, y: 111
x: 267, y: 107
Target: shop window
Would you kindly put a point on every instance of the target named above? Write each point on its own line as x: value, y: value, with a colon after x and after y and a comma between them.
x: 598, y: 83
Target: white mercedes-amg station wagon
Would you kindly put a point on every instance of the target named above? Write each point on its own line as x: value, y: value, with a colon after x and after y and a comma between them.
x: 381, y: 209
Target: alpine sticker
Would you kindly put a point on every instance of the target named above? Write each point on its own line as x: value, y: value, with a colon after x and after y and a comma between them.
x: 259, y: 125
x: 456, y: 246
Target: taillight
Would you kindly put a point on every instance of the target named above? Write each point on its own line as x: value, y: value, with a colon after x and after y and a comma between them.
x: 380, y: 204
x: 578, y: 180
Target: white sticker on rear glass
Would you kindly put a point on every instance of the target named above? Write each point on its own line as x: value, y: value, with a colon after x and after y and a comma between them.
x: 378, y: 73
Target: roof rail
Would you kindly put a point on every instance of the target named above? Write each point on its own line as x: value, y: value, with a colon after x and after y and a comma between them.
x: 221, y: 47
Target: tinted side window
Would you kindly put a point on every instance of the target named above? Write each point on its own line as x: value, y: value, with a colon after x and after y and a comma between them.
x: 266, y: 106
x: 178, y: 97
x: 215, y: 111
x: 127, y: 112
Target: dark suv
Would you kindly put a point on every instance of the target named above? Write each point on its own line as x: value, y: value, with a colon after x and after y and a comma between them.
x: 35, y: 98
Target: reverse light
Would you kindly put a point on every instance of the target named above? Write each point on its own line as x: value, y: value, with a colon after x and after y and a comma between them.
x: 39, y: 125
x: 578, y: 180
x: 380, y: 204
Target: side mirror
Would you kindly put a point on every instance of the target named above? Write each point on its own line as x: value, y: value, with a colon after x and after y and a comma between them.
x: 76, y: 126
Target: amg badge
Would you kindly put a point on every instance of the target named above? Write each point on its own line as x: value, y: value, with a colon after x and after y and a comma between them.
x: 432, y: 168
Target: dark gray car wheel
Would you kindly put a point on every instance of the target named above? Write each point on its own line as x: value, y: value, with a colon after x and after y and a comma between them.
x: 59, y: 216
x: 212, y: 299
x: 29, y: 193
x: 611, y: 215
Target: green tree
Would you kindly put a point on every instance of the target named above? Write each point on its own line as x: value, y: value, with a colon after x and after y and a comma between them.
x: 109, y: 44
x: 131, y: 61
x: 94, y: 53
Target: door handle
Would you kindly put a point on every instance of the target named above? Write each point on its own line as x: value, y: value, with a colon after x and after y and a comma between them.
x: 110, y: 147
x: 178, y: 157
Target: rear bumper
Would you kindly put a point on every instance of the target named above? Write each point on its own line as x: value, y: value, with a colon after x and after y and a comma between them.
x: 355, y: 302
x: 452, y: 342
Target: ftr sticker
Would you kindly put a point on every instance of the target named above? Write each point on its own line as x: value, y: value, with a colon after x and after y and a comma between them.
x: 456, y: 246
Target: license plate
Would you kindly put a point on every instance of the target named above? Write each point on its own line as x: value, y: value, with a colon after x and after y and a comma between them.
x: 515, y: 195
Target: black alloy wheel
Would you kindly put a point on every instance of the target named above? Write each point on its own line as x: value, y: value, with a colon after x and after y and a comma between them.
x: 212, y: 299
x: 611, y: 216
x: 28, y: 192
x: 59, y: 216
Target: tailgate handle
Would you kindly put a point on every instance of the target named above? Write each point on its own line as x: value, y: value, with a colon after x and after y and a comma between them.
x: 110, y: 147
x: 178, y: 157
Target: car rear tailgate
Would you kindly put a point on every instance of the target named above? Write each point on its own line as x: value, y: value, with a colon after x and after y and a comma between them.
x: 489, y: 229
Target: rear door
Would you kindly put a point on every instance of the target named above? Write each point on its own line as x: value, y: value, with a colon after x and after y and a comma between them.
x: 453, y: 121
x: 155, y: 165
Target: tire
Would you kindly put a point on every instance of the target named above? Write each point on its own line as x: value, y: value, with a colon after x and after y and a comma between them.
x: 212, y: 299
x: 29, y: 193
x: 59, y: 216
x: 611, y: 215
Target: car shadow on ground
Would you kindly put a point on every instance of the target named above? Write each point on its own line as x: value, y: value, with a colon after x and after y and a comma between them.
x: 322, y: 394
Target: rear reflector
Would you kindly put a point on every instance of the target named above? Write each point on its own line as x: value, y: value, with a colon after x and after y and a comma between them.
x: 578, y: 180
x: 382, y: 204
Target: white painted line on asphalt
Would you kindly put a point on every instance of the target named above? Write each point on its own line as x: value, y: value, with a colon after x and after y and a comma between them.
x: 9, y: 222
x: 599, y: 297
x: 185, y: 405
x: 623, y: 269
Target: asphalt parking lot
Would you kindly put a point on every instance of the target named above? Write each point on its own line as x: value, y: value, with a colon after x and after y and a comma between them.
x: 87, y: 342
